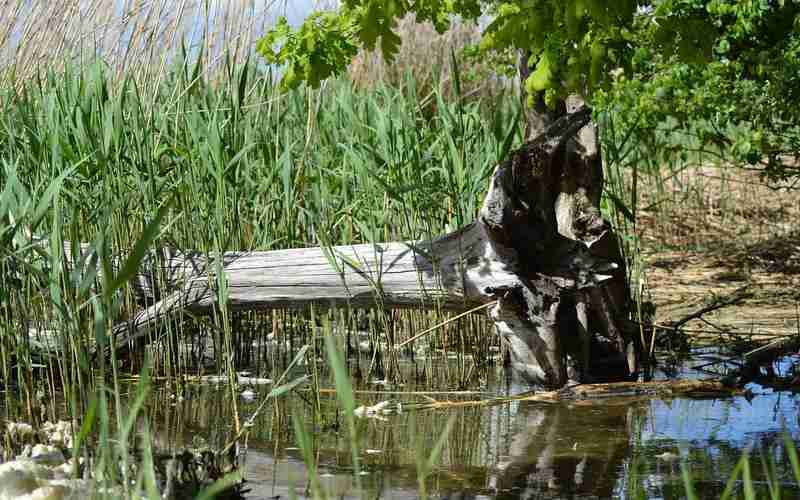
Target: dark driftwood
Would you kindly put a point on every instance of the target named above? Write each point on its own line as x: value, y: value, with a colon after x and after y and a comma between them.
x: 610, y: 393
x: 539, y: 249
x: 624, y: 391
x: 773, y: 351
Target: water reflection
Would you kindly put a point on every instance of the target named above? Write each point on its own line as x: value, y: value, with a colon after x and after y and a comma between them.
x: 562, y: 450
x: 581, y: 450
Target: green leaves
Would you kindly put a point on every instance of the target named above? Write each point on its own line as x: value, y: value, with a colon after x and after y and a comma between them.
x: 375, y: 21
x: 725, y: 73
x: 563, y: 37
x: 542, y: 76
x: 326, y: 42
x: 719, y: 62
x: 322, y: 46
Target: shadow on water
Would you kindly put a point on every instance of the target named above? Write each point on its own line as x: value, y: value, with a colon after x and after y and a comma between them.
x: 633, y: 449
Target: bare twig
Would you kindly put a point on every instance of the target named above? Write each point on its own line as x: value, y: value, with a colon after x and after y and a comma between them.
x: 718, y: 303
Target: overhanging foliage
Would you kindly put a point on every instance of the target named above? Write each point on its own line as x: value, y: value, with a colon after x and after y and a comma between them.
x: 731, y: 66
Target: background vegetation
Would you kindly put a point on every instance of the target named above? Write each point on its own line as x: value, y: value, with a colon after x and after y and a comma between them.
x: 132, y: 128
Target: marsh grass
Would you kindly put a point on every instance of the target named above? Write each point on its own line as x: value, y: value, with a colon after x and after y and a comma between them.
x: 229, y: 165
x: 133, y: 38
x: 117, y: 168
x: 234, y: 176
x: 702, y: 227
x: 132, y: 126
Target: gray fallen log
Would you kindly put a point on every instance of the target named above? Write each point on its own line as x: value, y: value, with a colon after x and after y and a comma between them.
x: 514, y: 254
x: 456, y: 272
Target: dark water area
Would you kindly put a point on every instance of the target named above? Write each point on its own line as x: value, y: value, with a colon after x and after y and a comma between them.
x: 600, y: 449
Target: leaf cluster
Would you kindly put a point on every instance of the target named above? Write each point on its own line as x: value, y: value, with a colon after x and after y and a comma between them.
x: 730, y: 70
x: 325, y: 43
x: 563, y: 38
x: 321, y: 47
x: 726, y: 72
x: 571, y: 44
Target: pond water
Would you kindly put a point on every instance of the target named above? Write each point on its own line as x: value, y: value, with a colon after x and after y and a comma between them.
x: 602, y: 449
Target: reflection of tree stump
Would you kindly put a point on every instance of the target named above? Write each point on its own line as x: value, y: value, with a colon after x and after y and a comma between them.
x: 542, y: 462
x: 538, y: 251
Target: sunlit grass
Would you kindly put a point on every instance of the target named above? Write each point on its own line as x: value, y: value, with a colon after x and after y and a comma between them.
x: 167, y: 135
x: 117, y: 169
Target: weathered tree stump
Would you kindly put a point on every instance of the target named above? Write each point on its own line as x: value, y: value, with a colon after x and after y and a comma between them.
x: 539, y: 250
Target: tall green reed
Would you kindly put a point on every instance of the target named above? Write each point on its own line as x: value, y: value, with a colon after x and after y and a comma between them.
x: 238, y: 166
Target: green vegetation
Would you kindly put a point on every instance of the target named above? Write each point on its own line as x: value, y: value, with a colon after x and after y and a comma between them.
x: 229, y: 165
x: 726, y: 71
x: 203, y: 151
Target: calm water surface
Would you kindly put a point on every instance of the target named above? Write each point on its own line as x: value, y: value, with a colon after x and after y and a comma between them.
x: 519, y: 450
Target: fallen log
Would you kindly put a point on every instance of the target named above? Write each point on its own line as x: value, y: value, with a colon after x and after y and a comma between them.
x: 615, y: 392
x: 538, y: 250
x: 772, y: 351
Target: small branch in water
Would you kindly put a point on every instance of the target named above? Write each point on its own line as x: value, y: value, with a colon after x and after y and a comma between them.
x: 716, y: 304
x: 589, y: 393
x: 411, y: 393
x: 773, y: 350
x: 622, y: 392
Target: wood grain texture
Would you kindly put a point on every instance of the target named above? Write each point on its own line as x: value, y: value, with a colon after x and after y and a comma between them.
x: 455, y: 272
x: 452, y: 272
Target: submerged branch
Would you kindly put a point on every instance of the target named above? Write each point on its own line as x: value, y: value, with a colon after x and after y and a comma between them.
x: 597, y: 393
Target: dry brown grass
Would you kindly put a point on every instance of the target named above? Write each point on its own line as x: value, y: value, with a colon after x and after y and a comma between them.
x: 139, y: 37
x: 143, y: 37
x: 713, y: 230
x: 427, y: 56
x: 705, y: 207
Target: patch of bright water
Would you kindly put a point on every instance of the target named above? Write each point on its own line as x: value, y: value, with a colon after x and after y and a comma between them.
x: 518, y: 450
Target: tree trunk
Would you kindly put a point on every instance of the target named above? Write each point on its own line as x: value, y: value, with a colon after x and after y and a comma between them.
x: 536, y: 253
x: 598, y: 316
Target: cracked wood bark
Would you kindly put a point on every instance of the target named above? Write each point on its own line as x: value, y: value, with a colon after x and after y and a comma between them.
x: 603, y: 310
x: 514, y: 254
x: 600, y: 314
x: 581, y: 329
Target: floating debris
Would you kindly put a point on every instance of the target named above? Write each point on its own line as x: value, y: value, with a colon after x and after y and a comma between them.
x: 58, y: 433
x: 39, y: 466
x: 240, y: 379
x: 214, y: 379
x: 254, y: 381
x: 379, y: 411
x: 24, y: 478
x: 18, y: 435
x: 47, y: 455
x: 386, y: 383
